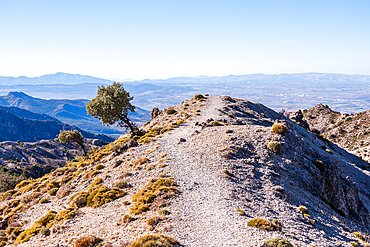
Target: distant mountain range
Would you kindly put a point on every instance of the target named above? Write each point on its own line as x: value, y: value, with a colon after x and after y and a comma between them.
x: 22, y: 125
x: 72, y: 112
x: 344, y: 93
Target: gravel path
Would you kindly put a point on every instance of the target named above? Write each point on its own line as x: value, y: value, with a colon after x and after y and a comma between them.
x: 203, y: 214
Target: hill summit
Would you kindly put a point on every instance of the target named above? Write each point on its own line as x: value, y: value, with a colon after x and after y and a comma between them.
x: 212, y: 171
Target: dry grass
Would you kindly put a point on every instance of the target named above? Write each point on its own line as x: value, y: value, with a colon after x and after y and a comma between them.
x: 155, y: 241
x: 279, y: 128
x: 86, y: 241
x: 263, y: 224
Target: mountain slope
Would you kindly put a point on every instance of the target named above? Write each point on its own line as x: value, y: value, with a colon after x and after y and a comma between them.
x: 349, y: 131
x: 72, y: 112
x: 15, y: 128
x: 204, y: 173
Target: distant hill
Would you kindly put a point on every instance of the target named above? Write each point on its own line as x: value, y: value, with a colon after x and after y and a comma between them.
x: 344, y: 93
x: 58, y: 78
x: 22, y: 125
x: 72, y: 112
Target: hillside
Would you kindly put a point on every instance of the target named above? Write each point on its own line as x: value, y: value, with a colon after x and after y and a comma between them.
x: 21, y: 125
x: 72, y: 112
x: 349, y: 131
x: 208, y: 172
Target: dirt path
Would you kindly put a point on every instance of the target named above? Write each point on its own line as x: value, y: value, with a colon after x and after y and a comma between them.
x: 203, y: 215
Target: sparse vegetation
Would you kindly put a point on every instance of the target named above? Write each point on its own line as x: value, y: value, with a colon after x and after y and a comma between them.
x: 170, y: 111
x: 215, y: 123
x: 241, y: 212
x: 279, y: 128
x: 163, y: 188
x: 263, y: 224
x: 155, y: 241
x: 86, y: 241
x: 274, y: 146
x: 198, y: 96
x: 278, y: 242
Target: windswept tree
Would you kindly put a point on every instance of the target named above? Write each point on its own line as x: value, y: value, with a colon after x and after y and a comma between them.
x: 111, y: 105
x: 68, y: 136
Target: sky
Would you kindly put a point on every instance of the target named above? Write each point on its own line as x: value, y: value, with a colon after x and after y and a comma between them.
x: 162, y: 39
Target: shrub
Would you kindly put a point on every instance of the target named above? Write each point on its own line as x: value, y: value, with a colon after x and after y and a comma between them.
x: 206, y: 94
x: 359, y: 236
x: 127, y: 218
x: 164, y: 187
x: 274, y: 146
x: 263, y: 224
x: 121, y: 184
x: 303, y: 209
x: 198, y: 96
x: 164, y: 212
x: 186, y: 104
x: 353, y: 243
x: 198, y: 110
x: 215, y: 123
x: 279, y: 128
x: 153, y: 221
x: 231, y: 115
x: 43, y: 200
x: 171, y: 111
x: 45, y: 231
x: 87, y: 241
x: 99, y: 167
x: 241, y: 212
x: 125, y: 202
x: 319, y: 164
x: 53, y: 191
x: 155, y: 240
x: 278, y: 242
x: 101, y: 195
x: 140, y: 162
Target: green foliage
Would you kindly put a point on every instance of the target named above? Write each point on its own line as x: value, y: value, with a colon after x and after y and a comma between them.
x: 303, y: 209
x: 263, y: 224
x: 8, y: 180
x: 353, y: 243
x: 164, y: 187
x: 279, y: 128
x: 171, y: 111
x: 198, y: 96
x: 45, y: 231
x: 278, y: 242
x: 74, y: 136
x: 155, y: 241
x: 43, y: 200
x: 274, y: 146
x: 53, y: 191
x: 111, y: 105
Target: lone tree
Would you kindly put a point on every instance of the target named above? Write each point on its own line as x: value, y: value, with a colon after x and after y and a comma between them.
x: 111, y: 105
x: 67, y: 136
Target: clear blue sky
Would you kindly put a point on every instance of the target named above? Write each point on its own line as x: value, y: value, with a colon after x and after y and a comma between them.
x: 160, y: 39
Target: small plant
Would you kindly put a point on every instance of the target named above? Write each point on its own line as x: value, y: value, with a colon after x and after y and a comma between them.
x: 279, y: 128
x: 170, y: 111
x: 215, y: 123
x: 164, y: 212
x: 125, y: 203
x: 99, y: 167
x: 303, y: 209
x: 45, y: 231
x: 155, y: 240
x: 231, y: 115
x: 274, y: 146
x: 43, y: 200
x: 127, y: 219
x: 140, y: 162
x: 353, y: 243
x: 241, y: 212
x: 278, y: 242
x: 198, y: 110
x: 358, y: 235
x: 53, y: 191
x: 263, y: 224
x: 198, y: 96
x: 86, y: 241
x: 153, y: 221
x: 319, y: 164
x: 186, y: 104
x: 121, y: 184
x: 226, y: 172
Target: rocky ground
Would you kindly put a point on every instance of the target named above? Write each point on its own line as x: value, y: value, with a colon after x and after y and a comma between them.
x: 201, y: 174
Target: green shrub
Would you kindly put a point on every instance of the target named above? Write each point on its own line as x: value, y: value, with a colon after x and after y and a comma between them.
x: 198, y: 96
x: 99, y: 167
x: 303, y: 209
x: 353, y: 243
x: 171, y: 111
x: 359, y: 236
x: 155, y: 241
x: 45, y: 231
x: 274, y: 146
x: 53, y: 191
x: 263, y: 224
x: 278, y: 242
x: 43, y: 200
x: 279, y: 128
